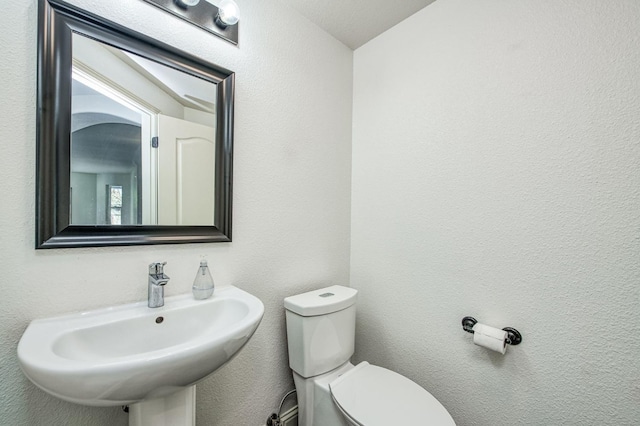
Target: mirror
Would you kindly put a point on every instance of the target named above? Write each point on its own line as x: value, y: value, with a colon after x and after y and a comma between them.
x: 141, y: 132
x: 134, y: 137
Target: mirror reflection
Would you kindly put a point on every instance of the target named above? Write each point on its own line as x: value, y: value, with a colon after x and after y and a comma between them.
x: 142, y: 140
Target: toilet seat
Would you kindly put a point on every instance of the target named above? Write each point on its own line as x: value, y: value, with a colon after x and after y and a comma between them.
x: 374, y: 396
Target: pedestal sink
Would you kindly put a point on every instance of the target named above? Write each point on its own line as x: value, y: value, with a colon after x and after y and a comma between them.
x: 132, y: 354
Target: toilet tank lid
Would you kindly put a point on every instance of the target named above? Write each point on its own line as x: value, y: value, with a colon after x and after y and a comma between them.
x: 320, y: 302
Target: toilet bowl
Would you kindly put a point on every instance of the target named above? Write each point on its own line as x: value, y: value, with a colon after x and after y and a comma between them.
x: 332, y: 391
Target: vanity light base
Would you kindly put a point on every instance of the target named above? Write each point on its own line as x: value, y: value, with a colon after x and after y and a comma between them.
x: 176, y: 409
x: 202, y: 15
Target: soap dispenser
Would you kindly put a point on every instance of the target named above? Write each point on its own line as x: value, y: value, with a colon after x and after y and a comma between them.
x: 203, y: 284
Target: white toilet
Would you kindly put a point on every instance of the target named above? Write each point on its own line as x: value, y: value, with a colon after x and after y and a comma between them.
x: 333, y: 392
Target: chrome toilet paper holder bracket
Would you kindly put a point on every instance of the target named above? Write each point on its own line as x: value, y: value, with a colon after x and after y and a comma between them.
x: 513, y: 336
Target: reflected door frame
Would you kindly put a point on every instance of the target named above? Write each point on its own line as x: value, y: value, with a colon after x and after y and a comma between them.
x: 149, y: 130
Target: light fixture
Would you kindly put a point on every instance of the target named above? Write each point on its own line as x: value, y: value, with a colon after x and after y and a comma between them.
x: 228, y: 14
x: 187, y: 3
x: 221, y: 21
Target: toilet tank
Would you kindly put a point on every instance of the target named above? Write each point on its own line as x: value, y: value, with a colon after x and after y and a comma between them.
x: 321, y: 326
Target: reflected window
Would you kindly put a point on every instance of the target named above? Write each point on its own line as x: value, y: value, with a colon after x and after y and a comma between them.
x: 114, y: 198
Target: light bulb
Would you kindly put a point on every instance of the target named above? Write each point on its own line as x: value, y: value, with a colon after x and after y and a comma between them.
x: 187, y: 3
x: 228, y: 13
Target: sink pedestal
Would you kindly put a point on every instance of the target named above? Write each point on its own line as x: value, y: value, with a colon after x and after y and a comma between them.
x: 176, y: 409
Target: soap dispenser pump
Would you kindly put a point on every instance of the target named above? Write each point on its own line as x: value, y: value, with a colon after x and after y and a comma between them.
x: 203, y: 283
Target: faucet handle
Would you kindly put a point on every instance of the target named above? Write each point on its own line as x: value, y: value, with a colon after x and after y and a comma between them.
x: 157, y: 268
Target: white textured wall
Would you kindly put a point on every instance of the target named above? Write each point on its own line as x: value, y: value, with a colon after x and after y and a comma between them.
x: 496, y: 173
x: 291, y: 204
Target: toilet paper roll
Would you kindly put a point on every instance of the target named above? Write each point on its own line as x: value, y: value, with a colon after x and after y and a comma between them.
x: 490, y: 337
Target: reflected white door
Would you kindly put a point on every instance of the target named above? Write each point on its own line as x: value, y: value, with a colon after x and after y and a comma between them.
x: 186, y: 178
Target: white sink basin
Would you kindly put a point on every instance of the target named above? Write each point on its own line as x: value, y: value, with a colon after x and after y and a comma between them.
x: 129, y: 353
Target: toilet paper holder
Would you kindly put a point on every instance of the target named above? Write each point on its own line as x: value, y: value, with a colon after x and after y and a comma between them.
x: 513, y: 336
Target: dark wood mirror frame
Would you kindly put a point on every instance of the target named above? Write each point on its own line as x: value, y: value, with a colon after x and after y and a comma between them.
x: 57, y: 21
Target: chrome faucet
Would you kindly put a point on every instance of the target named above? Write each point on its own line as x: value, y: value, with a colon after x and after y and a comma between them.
x: 157, y: 281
